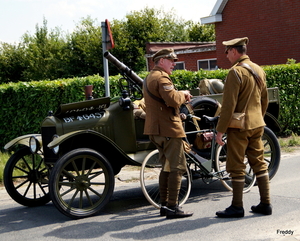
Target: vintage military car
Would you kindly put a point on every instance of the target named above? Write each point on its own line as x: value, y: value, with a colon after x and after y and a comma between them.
x: 82, y: 146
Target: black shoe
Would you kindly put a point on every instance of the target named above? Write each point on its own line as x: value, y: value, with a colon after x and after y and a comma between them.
x: 177, y: 212
x: 163, y: 211
x: 231, y: 212
x: 262, y: 208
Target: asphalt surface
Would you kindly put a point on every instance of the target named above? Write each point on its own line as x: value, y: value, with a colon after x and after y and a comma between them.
x: 128, y: 216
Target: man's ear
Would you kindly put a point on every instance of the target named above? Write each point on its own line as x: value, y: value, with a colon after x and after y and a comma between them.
x: 234, y: 51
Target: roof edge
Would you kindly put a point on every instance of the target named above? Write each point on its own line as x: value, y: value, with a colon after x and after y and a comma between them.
x: 211, y: 19
x: 219, y: 7
x: 216, y: 14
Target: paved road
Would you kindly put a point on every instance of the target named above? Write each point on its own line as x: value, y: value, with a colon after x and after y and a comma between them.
x: 129, y: 217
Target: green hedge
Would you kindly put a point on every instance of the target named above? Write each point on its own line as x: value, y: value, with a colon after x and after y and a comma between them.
x: 25, y: 104
x: 287, y: 79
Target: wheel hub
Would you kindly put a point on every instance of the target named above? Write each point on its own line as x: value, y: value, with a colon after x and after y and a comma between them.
x: 34, y: 176
x: 82, y: 183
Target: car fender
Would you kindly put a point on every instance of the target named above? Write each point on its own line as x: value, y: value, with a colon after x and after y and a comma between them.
x: 96, y: 141
x: 272, y: 122
x: 22, y: 140
x: 60, y: 139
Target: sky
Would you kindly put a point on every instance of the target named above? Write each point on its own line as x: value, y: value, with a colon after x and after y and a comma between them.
x: 18, y: 17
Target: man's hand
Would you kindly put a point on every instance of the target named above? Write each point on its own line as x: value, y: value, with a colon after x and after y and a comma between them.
x: 219, y: 139
x: 187, y: 95
x: 182, y: 116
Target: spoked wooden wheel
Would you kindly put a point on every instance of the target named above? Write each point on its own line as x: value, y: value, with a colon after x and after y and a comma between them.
x: 81, y: 183
x: 149, y: 179
x: 26, y: 178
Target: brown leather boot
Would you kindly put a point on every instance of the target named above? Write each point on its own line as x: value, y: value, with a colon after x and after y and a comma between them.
x: 163, y: 209
x: 262, y: 208
x: 231, y: 212
x: 177, y: 212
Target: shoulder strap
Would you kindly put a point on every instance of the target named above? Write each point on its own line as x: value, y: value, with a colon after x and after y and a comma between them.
x: 255, y: 75
x: 150, y: 94
x: 250, y: 69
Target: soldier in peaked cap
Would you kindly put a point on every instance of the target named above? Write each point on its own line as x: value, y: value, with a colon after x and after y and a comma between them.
x: 166, y: 54
x: 241, y: 89
x: 235, y: 43
x: 164, y: 127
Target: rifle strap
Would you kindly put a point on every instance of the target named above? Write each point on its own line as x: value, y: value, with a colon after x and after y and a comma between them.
x: 244, y: 110
x: 255, y: 75
x: 152, y: 95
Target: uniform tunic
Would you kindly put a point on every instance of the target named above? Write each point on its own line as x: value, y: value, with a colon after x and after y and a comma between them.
x: 162, y: 119
x: 163, y: 123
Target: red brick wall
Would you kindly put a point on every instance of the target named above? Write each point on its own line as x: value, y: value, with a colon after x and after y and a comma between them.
x: 271, y: 26
x: 190, y: 59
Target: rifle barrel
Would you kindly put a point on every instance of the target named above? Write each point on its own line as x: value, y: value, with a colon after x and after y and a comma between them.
x: 126, y: 70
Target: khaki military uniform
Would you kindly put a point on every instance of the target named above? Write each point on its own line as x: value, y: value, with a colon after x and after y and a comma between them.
x: 164, y: 126
x: 163, y: 118
x: 240, y: 84
x: 237, y: 88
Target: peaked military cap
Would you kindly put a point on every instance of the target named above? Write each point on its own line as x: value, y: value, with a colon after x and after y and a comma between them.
x: 235, y: 42
x: 164, y: 53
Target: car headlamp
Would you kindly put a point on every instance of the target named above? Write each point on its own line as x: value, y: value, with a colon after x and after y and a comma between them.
x: 56, y: 148
x: 34, y: 144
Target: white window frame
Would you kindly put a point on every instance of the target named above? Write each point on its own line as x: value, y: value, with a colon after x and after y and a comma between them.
x: 180, y: 62
x: 208, y: 61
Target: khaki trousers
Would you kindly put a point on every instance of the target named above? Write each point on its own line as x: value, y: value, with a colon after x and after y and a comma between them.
x: 241, y: 143
x: 172, y: 157
x: 171, y: 153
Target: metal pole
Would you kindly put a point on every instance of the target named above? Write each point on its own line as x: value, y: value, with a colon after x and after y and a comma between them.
x: 105, y: 61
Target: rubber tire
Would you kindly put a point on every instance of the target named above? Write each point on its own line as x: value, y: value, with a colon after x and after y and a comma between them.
x: 272, y: 147
x: 72, y: 174
x: 220, y: 166
x: 149, y: 175
x: 29, y: 188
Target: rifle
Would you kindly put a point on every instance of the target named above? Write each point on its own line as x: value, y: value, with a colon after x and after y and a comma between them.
x: 134, y: 82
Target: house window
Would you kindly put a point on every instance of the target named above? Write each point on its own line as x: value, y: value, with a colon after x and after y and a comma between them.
x: 207, y: 64
x: 179, y: 65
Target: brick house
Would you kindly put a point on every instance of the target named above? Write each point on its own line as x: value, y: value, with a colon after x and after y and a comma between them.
x: 271, y: 26
x: 191, y: 55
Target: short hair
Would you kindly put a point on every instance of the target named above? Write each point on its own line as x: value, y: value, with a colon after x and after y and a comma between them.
x: 242, y: 49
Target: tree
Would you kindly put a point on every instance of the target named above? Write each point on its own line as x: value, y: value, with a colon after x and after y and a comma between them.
x: 52, y: 54
x: 201, y: 33
x: 11, y: 62
x: 45, y: 57
x: 85, y: 49
x: 140, y: 27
